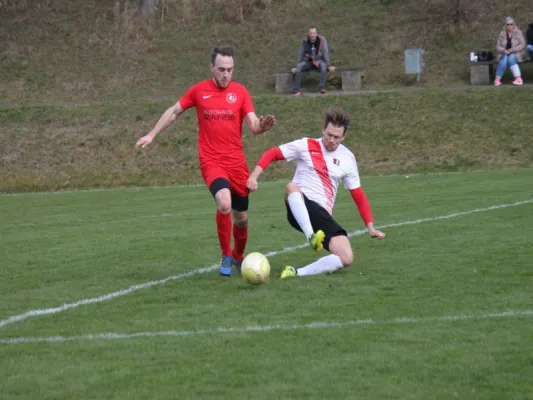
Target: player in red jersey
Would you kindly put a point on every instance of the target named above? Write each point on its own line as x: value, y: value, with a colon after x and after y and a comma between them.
x: 221, y: 106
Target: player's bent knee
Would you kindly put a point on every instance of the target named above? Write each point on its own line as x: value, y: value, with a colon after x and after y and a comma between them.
x: 242, y: 223
x: 346, y: 256
x: 220, y: 189
x: 346, y: 259
x: 340, y: 246
x: 223, y: 208
x: 223, y: 204
x: 291, y: 187
x: 240, y: 218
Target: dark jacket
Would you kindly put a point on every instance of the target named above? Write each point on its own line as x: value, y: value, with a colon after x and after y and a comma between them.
x: 321, y: 49
x: 529, y: 34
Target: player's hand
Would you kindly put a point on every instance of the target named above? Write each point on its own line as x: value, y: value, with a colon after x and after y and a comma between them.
x: 331, y: 68
x: 266, y: 123
x: 143, y: 142
x: 251, y: 184
x: 374, y: 233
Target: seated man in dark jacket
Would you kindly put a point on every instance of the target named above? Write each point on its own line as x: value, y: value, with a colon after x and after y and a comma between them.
x: 529, y: 36
x: 313, y: 54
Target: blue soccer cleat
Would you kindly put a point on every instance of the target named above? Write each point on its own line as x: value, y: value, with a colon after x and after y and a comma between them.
x: 237, y: 264
x: 225, y: 266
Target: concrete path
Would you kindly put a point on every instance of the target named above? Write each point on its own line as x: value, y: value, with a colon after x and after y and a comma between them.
x: 5, y: 106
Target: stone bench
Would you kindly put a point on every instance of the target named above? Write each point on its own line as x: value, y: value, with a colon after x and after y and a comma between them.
x: 350, y: 76
x: 482, y: 72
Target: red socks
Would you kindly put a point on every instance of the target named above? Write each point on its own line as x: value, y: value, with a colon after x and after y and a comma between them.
x: 224, y: 232
x: 240, y: 237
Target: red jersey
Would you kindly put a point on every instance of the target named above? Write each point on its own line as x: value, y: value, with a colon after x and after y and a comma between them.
x: 220, y: 114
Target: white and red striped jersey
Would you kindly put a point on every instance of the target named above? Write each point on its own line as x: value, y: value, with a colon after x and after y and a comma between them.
x: 319, y: 172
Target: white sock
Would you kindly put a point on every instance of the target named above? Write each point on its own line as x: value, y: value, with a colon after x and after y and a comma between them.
x: 515, y: 69
x: 325, y: 264
x: 297, y: 205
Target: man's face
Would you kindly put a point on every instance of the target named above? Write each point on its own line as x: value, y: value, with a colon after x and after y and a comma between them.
x: 332, y: 136
x: 313, y: 34
x: 222, y: 70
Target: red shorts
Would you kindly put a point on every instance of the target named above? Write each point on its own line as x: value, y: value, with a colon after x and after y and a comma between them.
x: 237, y: 174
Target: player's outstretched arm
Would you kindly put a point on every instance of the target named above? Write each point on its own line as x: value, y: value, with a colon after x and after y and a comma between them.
x: 261, y: 124
x: 363, y: 207
x: 168, y: 117
x: 373, y: 232
x: 273, y: 154
x: 251, y: 183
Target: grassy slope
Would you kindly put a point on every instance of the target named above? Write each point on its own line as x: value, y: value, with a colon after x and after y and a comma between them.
x: 83, y: 50
x: 90, y: 52
x: 62, y: 147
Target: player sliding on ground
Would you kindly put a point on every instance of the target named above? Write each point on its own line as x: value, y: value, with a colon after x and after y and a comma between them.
x: 321, y: 165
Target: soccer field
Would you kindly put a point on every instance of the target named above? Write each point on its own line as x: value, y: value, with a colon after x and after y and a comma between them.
x: 114, y: 294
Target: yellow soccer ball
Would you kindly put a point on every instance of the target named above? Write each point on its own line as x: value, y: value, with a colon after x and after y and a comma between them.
x: 255, y: 268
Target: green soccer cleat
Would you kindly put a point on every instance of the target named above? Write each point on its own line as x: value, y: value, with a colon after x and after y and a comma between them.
x: 288, y: 272
x: 316, y: 240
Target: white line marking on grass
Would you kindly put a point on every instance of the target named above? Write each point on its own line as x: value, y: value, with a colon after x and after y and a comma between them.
x: 265, y: 328
x: 417, y: 221
x: 106, y: 297
x: 134, y: 288
x: 458, y: 214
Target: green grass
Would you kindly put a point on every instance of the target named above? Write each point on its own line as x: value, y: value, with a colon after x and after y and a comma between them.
x: 59, y: 248
x: 48, y: 148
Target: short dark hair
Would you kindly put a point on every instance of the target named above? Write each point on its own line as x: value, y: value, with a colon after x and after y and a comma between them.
x: 223, y: 50
x: 337, y: 117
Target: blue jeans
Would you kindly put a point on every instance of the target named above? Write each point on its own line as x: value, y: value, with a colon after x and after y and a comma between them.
x: 308, y: 66
x: 530, y: 49
x: 505, y: 61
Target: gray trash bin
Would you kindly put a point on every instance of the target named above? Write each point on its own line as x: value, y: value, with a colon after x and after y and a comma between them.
x: 414, y: 61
